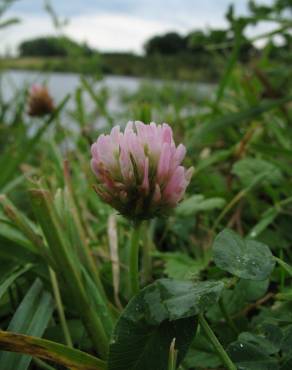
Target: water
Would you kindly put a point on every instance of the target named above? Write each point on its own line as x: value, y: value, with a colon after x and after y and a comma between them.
x: 60, y: 84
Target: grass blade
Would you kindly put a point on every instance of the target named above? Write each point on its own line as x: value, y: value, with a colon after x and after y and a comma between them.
x: 238, y: 117
x: 66, y: 261
x: 7, y: 282
x: 31, y: 317
x: 47, y: 350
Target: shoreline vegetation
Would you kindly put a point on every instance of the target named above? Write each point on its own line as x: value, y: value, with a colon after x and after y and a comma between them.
x: 162, y: 67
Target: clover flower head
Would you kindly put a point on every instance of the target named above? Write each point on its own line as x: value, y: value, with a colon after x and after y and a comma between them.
x: 139, y: 171
x: 40, y: 102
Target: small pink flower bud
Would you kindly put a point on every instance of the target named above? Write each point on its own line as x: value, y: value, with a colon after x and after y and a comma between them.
x: 139, y: 171
x: 40, y: 102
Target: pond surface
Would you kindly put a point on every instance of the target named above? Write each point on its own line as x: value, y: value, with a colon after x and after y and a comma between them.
x: 60, y: 84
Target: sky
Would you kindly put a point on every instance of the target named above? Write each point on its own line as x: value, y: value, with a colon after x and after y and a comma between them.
x: 117, y: 25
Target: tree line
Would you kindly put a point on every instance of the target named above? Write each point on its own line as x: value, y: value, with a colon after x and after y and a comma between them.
x: 201, y: 43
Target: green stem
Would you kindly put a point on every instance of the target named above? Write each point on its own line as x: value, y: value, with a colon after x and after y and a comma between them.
x: 147, y: 249
x: 227, y: 318
x: 228, y: 207
x: 236, y: 199
x: 60, y: 308
x: 216, y: 344
x: 134, y: 259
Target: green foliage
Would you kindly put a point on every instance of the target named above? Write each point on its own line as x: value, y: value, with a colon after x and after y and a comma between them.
x: 197, y: 203
x: 168, y: 44
x: 180, y: 266
x: 198, y: 43
x: 152, y: 319
x: 248, y: 356
x: 52, y: 47
x: 246, y: 259
x: 248, y: 168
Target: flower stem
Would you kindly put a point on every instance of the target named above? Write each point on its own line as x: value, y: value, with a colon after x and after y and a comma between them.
x: 216, y: 344
x: 147, y: 249
x: 134, y: 259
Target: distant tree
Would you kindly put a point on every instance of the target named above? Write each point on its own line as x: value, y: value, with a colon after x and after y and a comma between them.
x: 196, y: 41
x: 53, y: 46
x: 43, y: 46
x: 169, y: 44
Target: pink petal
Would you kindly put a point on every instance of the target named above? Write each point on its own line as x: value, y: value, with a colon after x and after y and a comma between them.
x: 180, y: 153
x: 176, y: 186
x: 166, y: 133
x: 94, y: 150
x: 94, y: 167
x: 126, y: 165
x: 107, y: 151
x: 115, y: 134
x: 164, y: 162
x: 136, y: 150
x: 129, y: 127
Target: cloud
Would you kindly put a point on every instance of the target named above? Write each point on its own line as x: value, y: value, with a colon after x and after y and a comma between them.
x: 30, y: 26
x: 106, y: 32
x: 119, y: 31
x: 114, y: 31
x: 122, y: 25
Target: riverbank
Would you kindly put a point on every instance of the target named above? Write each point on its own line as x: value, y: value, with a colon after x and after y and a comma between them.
x: 170, y: 67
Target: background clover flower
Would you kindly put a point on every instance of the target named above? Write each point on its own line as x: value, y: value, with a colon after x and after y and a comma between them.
x: 40, y: 102
x: 139, y: 170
